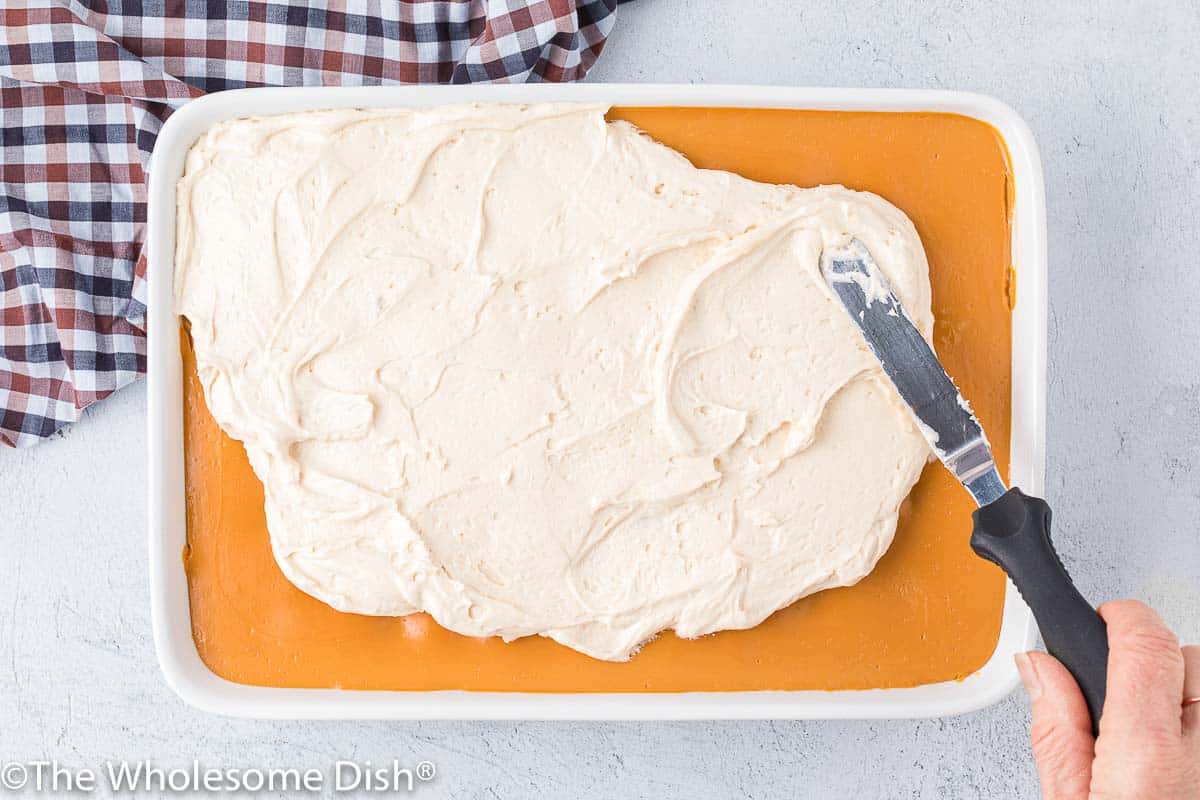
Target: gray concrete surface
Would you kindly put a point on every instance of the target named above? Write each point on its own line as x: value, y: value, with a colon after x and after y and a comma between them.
x: 1110, y: 88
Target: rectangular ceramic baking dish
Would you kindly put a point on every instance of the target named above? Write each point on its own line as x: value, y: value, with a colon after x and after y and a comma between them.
x: 192, y: 680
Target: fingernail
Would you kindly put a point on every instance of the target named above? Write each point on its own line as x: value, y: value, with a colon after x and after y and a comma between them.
x: 1029, y: 676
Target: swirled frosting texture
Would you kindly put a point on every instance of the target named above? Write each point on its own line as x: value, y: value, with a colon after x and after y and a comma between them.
x: 534, y: 373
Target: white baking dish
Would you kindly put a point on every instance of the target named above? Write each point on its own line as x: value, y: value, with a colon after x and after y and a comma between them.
x: 193, y: 681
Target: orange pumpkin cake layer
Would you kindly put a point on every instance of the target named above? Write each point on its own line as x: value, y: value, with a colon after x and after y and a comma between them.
x: 930, y: 611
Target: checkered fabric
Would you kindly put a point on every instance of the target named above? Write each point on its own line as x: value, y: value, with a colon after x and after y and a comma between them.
x: 85, y: 86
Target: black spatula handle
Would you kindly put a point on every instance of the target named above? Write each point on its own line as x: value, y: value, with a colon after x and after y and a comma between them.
x: 1014, y: 532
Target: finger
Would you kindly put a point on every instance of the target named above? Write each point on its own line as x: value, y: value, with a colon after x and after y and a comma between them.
x: 1191, y: 688
x: 1061, y: 735
x: 1145, y: 672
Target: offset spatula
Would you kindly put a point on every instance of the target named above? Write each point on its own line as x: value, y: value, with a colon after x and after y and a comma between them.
x: 1011, y: 528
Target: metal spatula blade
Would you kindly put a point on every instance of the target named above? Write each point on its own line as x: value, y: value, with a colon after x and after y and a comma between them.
x: 1011, y: 529
x: 947, y: 423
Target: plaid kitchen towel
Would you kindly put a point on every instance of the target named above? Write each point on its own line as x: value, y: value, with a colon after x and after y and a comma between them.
x: 85, y: 86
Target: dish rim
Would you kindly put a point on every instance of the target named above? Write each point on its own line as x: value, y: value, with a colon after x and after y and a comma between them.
x: 197, y: 685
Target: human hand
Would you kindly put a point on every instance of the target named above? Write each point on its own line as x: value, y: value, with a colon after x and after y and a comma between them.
x: 1149, y: 742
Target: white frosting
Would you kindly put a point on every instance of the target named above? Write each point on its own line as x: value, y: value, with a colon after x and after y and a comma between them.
x: 534, y: 373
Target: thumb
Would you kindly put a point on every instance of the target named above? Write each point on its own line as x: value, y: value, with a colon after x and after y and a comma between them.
x: 1063, y: 745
